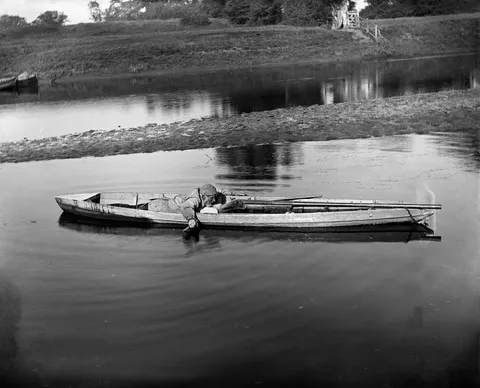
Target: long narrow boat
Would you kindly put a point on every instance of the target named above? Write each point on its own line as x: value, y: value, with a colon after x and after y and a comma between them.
x: 7, y: 83
x: 274, y: 213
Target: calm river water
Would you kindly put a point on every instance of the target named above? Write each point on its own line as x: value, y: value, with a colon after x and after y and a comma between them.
x: 107, y: 104
x: 90, y: 306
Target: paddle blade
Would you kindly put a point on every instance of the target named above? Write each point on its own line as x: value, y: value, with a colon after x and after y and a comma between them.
x: 189, y: 233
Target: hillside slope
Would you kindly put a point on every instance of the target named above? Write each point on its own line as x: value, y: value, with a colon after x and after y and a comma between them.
x: 109, y: 49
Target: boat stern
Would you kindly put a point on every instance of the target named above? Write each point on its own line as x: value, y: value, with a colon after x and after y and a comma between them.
x: 68, y: 200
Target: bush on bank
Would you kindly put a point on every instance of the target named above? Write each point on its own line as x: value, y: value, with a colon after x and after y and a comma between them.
x: 8, y: 22
x: 165, y: 11
x: 214, y: 8
x: 195, y: 19
x: 237, y: 11
x: 46, y: 21
x: 305, y: 12
x: 254, y: 12
x: 381, y: 9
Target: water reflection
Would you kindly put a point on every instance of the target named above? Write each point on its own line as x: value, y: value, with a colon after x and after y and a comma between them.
x: 14, y: 94
x: 258, y: 162
x: 464, y: 370
x: 10, y: 313
x: 102, y: 104
x: 212, y: 239
x: 464, y: 146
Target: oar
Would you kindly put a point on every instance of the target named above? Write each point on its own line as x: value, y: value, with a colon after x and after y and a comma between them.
x: 296, y: 198
x: 282, y: 199
x: 345, y: 204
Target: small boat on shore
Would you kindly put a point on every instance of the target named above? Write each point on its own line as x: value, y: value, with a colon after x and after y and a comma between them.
x: 270, y: 213
x: 27, y: 80
x: 7, y: 83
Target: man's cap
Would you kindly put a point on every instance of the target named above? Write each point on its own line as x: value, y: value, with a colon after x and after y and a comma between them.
x: 208, y: 189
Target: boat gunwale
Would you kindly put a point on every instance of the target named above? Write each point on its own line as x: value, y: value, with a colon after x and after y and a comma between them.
x: 79, y: 204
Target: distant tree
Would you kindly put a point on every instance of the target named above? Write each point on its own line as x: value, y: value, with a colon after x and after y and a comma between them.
x: 377, y: 9
x: 195, y: 19
x: 265, y: 11
x: 435, y: 7
x: 403, y: 8
x: 307, y: 12
x: 123, y: 10
x: 95, y: 12
x: 214, y: 8
x: 238, y: 11
x: 50, y: 18
x: 9, y: 21
x: 172, y: 1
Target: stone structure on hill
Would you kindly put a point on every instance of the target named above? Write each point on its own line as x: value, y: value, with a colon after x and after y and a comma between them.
x: 345, y: 15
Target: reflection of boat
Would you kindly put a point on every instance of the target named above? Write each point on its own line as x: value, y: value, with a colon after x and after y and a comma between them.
x: 10, y: 95
x: 8, y: 83
x: 27, y: 80
x: 32, y: 89
x: 273, y: 213
x: 378, y: 233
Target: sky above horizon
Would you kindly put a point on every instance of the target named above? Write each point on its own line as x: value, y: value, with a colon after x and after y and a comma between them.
x: 76, y: 10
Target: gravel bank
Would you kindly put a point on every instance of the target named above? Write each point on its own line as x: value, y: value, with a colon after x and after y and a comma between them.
x: 422, y: 113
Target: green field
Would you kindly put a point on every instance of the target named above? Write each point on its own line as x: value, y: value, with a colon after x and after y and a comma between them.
x: 120, y: 48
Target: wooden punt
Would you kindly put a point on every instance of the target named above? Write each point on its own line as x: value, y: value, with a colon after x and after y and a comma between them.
x: 272, y: 213
x: 8, y: 83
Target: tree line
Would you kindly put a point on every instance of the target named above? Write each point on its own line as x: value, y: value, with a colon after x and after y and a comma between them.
x: 242, y: 12
x: 264, y: 12
x: 47, y: 18
x: 246, y: 12
x: 406, y: 8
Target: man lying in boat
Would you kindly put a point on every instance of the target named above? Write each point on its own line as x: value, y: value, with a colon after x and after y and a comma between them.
x: 200, y: 199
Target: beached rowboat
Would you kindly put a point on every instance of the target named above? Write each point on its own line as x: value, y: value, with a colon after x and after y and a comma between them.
x: 277, y: 213
x: 8, y: 83
x: 25, y: 80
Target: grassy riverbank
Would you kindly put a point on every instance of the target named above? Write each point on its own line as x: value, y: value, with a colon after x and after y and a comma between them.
x: 109, y: 49
x: 422, y: 113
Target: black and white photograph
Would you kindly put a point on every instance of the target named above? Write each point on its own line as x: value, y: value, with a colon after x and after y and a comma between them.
x: 239, y: 193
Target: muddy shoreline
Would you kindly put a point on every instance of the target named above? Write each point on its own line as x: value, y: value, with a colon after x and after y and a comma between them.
x: 421, y: 113
x: 199, y: 70
x: 211, y: 69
